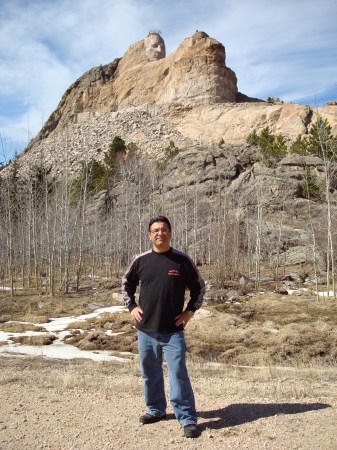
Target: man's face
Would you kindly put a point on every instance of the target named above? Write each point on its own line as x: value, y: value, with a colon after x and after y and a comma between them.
x: 160, y: 236
x: 154, y: 47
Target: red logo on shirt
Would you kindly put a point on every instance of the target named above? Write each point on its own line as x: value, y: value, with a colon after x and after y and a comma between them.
x: 174, y: 273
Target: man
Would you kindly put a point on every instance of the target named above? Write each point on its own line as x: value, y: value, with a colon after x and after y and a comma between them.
x: 164, y: 274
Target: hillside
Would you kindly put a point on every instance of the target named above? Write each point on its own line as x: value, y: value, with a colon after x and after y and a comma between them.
x: 190, y: 96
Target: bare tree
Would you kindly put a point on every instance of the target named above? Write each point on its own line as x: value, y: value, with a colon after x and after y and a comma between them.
x: 258, y: 239
x: 327, y: 149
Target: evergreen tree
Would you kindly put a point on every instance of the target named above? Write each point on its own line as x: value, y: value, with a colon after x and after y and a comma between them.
x: 253, y: 138
x: 96, y: 176
x: 116, y: 148
x: 170, y: 151
x: 321, y: 140
x: 299, y: 146
x: 273, y: 148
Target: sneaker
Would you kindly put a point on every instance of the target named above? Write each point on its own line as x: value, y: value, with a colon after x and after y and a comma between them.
x: 191, y: 431
x: 149, y: 418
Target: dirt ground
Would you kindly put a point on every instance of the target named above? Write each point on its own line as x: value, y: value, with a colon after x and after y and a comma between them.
x: 263, y: 371
x: 47, y: 404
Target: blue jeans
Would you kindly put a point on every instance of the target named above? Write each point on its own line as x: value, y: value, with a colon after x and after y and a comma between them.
x: 151, y: 347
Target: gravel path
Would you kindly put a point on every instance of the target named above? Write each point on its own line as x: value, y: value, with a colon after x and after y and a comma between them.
x: 84, y: 405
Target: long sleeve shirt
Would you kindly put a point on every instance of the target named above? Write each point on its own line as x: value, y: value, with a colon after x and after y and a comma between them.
x: 164, y: 278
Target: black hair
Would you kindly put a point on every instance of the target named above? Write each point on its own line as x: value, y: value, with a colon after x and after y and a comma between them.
x: 160, y: 219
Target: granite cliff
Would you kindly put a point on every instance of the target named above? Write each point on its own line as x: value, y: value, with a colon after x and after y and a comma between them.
x: 190, y: 97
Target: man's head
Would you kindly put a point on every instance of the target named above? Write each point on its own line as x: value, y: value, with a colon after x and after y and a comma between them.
x: 154, y: 47
x: 160, y: 233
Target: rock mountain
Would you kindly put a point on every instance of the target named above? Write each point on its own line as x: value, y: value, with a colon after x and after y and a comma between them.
x: 190, y: 97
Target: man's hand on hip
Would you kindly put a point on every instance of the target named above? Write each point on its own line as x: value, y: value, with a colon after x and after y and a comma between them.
x: 183, y: 318
x: 136, y: 313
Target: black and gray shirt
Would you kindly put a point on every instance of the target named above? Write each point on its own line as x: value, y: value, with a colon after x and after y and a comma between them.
x: 164, y: 278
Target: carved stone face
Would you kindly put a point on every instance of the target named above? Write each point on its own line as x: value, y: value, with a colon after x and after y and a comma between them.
x: 154, y: 47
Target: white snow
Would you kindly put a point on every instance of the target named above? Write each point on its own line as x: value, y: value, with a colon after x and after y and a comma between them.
x: 296, y: 291
x: 325, y: 294
x: 59, y: 349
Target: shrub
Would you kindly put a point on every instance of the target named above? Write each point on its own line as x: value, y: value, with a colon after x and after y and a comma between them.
x: 221, y: 143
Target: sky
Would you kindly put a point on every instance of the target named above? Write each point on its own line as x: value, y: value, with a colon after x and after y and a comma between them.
x: 285, y: 49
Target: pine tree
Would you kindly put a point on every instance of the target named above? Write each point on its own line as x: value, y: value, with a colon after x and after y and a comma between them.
x: 299, y: 146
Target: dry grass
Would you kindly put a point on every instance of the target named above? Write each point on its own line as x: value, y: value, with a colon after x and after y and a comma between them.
x: 26, y: 304
x: 94, y: 337
x: 245, y: 378
x: 99, y: 341
x: 265, y: 331
x: 63, y: 401
x: 269, y: 330
x: 107, y: 321
x: 32, y: 318
x: 17, y: 327
x: 280, y: 384
x: 46, y: 339
x: 84, y: 374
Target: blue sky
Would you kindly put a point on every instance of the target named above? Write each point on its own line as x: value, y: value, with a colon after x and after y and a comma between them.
x: 284, y: 48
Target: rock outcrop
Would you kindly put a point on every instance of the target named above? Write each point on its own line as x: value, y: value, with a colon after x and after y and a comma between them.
x: 195, y: 74
x: 190, y: 96
x: 239, y: 176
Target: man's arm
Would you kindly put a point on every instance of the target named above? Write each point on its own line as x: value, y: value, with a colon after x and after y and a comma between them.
x: 196, y: 286
x: 130, y: 282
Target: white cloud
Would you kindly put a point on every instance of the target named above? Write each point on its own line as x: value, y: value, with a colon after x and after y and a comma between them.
x: 280, y: 46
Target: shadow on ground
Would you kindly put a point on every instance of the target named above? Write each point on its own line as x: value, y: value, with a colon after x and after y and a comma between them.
x: 241, y: 413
